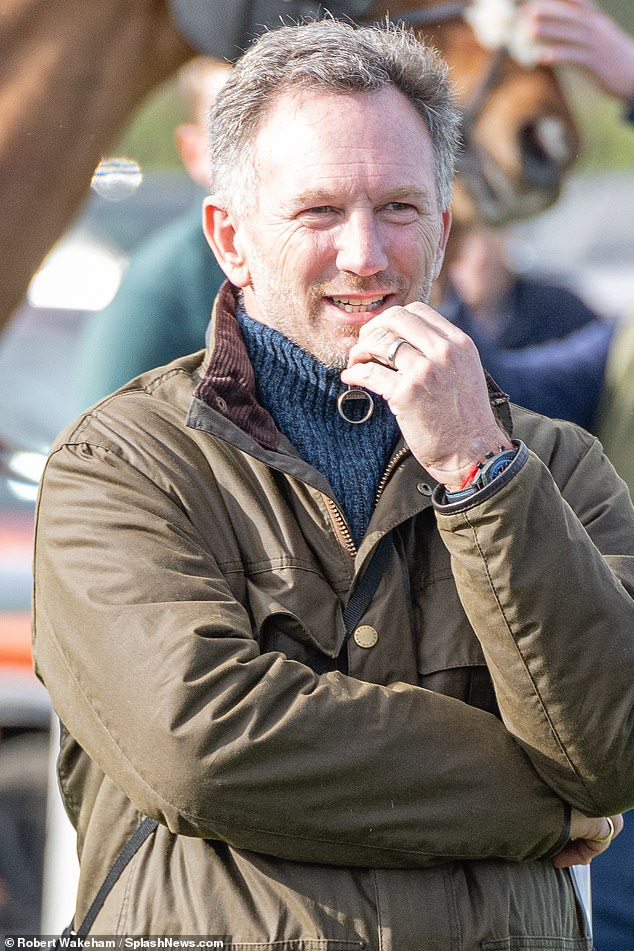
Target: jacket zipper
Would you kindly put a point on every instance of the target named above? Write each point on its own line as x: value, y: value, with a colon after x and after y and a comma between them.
x: 392, y: 464
x: 340, y: 526
x: 338, y: 518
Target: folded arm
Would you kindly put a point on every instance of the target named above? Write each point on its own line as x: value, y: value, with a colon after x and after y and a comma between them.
x: 152, y: 665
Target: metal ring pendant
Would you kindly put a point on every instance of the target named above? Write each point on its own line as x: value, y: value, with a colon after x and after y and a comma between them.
x: 354, y: 394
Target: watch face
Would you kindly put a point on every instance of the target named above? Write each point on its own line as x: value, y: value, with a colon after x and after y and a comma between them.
x: 496, y: 467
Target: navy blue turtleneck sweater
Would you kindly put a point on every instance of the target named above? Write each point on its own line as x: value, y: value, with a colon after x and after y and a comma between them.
x: 301, y: 395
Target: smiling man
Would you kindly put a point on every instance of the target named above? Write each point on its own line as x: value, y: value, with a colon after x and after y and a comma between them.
x: 340, y: 641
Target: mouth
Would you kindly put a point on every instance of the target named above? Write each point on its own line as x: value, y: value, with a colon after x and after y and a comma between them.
x: 362, y: 306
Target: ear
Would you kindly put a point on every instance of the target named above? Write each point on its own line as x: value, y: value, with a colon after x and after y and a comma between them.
x: 442, y: 243
x: 224, y: 240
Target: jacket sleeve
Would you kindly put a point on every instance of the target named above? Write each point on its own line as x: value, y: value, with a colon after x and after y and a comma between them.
x: 545, y: 572
x: 153, y: 668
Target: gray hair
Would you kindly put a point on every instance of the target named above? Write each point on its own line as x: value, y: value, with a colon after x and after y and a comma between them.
x: 331, y: 55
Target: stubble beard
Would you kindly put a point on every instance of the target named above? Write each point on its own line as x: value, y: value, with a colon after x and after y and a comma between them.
x: 332, y: 350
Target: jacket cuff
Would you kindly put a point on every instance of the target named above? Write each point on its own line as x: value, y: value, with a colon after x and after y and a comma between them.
x: 488, y: 491
x: 564, y: 838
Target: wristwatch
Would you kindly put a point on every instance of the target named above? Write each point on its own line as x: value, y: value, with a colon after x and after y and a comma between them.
x: 493, y: 465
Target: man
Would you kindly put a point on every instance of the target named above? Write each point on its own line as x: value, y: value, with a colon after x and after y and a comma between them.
x: 425, y: 783
x: 494, y: 303
x: 162, y: 308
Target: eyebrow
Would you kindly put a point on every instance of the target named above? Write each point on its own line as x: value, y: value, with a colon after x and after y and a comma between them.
x: 315, y: 197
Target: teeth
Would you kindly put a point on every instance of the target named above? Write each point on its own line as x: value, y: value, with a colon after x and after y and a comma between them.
x: 345, y: 303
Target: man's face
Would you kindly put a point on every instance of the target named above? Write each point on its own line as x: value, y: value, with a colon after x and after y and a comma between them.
x: 346, y: 222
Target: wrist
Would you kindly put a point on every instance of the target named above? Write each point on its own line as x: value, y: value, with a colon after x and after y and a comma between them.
x: 462, y: 478
x: 503, y: 469
x: 486, y: 471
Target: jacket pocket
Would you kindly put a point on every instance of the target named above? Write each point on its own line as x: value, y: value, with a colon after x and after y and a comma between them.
x: 449, y: 657
x: 297, y: 613
x: 534, y: 943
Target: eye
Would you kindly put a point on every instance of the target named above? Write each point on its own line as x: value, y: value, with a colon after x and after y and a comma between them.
x: 319, y: 216
x: 319, y: 210
x: 400, y: 211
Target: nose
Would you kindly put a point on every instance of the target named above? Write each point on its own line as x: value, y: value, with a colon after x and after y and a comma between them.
x: 360, y: 245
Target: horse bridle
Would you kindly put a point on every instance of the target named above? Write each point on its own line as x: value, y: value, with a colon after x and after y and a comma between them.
x: 442, y: 13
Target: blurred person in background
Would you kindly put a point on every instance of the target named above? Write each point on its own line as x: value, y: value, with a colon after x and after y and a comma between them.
x: 488, y: 299
x: 539, y: 341
x: 579, y: 33
x: 164, y: 303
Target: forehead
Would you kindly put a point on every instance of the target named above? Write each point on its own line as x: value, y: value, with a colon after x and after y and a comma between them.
x: 318, y: 137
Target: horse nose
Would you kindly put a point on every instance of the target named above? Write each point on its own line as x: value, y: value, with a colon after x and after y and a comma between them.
x: 546, y: 151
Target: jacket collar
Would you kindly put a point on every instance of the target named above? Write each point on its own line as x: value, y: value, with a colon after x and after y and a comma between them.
x: 228, y: 384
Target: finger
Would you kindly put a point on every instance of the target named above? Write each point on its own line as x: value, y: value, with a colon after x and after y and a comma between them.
x: 556, y: 21
x: 415, y: 318
x: 427, y: 332
x: 553, y: 55
x: 372, y: 376
x: 567, y: 857
x: 578, y: 852
x: 386, y: 350
x: 614, y: 825
x: 568, y: 10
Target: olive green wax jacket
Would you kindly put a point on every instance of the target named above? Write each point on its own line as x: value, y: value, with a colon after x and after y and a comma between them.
x: 189, y: 567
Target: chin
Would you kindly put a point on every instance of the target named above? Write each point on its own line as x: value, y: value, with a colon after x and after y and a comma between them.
x: 333, y: 349
x: 334, y: 359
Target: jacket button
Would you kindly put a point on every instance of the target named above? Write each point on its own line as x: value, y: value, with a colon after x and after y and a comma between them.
x: 424, y: 488
x: 365, y: 636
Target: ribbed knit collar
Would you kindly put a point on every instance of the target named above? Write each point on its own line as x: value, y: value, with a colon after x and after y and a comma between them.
x: 301, y: 395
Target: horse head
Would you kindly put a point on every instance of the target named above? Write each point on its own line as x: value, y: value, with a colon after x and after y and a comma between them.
x: 518, y: 132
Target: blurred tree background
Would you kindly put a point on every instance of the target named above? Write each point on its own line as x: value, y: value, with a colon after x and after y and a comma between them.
x: 607, y: 141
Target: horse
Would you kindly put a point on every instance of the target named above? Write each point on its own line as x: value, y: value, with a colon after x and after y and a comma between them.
x: 73, y: 72
x: 518, y: 131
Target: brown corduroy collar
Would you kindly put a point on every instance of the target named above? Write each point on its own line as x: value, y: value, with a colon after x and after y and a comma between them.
x: 228, y: 385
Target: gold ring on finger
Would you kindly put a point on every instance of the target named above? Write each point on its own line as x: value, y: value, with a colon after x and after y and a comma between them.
x: 610, y: 835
